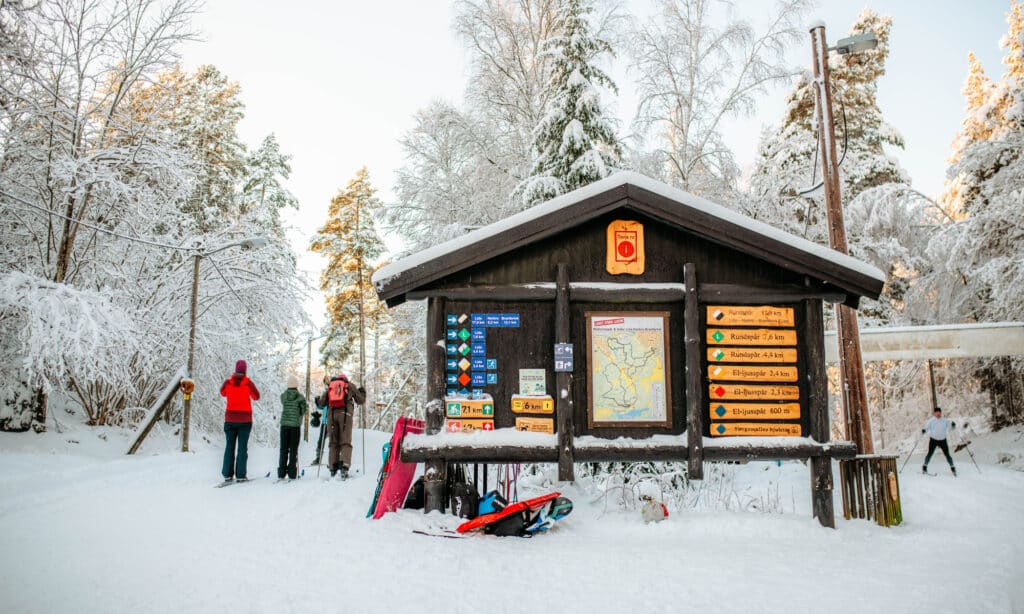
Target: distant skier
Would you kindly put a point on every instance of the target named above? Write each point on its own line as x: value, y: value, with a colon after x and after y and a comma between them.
x: 293, y: 407
x: 320, y: 419
x: 240, y: 392
x: 937, y: 427
x: 341, y: 397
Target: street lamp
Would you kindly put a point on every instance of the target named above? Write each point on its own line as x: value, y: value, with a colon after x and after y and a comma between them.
x: 851, y: 365
x: 248, y: 243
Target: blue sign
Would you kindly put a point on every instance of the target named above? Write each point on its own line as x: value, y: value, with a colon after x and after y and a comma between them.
x: 453, y: 349
x: 479, y: 349
x: 477, y: 319
x: 453, y: 334
x: 452, y: 364
x: 450, y: 392
x: 477, y: 364
x: 492, y: 378
x: 563, y: 358
x: 478, y: 394
x: 479, y: 334
x: 464, y: 392
x: 479, y: 379
x: 493, y: 320
x: 492, y: 364
x: 510, y: 320
x: 452, y: 379
x: 452, y: 319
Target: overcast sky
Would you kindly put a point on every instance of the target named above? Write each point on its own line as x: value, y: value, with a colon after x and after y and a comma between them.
x: 338, y: 82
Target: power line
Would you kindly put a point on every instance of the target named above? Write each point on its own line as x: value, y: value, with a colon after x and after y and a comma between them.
x: 96, y: 228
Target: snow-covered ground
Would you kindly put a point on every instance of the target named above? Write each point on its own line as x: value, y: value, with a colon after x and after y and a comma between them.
x: 86, y: 529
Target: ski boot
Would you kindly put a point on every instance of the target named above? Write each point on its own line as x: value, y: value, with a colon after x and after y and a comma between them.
x: 924, y: 468
x: 953, y: 469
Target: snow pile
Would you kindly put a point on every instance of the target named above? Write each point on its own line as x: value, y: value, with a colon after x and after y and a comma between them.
x: 88, y: 529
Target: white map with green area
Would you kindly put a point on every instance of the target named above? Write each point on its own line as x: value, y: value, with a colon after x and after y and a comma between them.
x: 628, y: 358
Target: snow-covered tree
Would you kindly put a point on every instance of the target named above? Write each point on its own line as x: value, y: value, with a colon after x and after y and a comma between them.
x: 981, y: 263
x: 574, y: 143
x: 349, y: 241
x: 699, y: 65
x: 263, y: 189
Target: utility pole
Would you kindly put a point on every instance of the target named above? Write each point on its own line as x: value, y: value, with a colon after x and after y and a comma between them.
x: 309, y: 361
x: 186, y: 414
x: 851, y: 365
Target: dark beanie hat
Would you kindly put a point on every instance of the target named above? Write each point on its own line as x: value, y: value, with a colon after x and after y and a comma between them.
x: 240, y: 367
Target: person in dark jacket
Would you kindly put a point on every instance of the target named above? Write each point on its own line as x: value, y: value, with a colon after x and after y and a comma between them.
x: 240, y: 392
x: 321, y: 412
x: 340, y: 424
x: 293, y: 407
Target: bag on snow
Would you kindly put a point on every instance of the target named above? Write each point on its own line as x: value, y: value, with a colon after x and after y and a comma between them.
x: 336, y: 393
x: 465, y: 500
x: 414, y: 500
x: 513, y: 525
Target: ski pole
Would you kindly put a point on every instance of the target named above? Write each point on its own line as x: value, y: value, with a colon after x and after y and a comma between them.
x: 917, y: 441
x: 967, y: 446
x: 362, y: 470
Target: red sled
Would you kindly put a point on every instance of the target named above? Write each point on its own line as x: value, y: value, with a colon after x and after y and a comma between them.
x: 530, y: 504
x: 395, y: 476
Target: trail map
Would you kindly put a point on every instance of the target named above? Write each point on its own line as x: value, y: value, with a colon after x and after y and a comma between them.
x: 628, y: 369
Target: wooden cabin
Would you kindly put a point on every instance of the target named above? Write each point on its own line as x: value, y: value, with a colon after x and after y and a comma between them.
x: 627, y: 320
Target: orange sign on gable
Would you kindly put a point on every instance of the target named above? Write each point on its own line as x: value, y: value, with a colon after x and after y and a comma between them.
x: 625, y: 252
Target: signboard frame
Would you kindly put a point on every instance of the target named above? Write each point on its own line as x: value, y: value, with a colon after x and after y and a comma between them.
x: 665, y: 317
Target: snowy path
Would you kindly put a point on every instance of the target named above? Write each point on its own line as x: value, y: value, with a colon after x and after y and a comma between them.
x: 148, y: 534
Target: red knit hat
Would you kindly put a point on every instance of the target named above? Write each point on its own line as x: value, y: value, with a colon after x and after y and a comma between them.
x: 240, y: 367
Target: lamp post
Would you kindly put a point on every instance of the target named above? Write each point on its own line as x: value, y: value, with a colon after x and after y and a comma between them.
x: 851, y: 366
x: 250, y: 243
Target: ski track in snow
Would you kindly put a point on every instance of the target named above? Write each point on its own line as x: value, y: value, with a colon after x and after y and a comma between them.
x: 88, y: 530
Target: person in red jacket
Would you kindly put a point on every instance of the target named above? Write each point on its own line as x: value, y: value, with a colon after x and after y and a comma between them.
x: 240, y: 392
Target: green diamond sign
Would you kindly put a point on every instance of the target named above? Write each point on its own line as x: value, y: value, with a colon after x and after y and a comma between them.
x: 718, y: 336
x: 464, y: 334
x: 464, y: 349
x: 719, y: 355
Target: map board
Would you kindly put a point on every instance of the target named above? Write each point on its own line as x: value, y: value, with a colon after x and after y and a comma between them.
x: 628, y: 369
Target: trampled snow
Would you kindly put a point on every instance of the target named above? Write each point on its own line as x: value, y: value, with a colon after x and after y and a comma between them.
x: 87, y: 529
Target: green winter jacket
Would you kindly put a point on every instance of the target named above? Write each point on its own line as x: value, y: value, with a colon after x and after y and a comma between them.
x: 293, y: 406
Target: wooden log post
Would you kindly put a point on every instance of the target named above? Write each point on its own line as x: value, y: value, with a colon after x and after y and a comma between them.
x: 817, y: 406
x: 691, y: 342
x: 434, y: 467
x: 563, y: 381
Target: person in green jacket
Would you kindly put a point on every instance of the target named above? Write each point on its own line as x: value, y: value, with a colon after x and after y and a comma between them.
x: 293, y: 407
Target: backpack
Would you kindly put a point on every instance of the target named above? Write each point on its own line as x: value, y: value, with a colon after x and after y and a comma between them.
x: 465, y: 500
x: 513, y: 525
x: 336, y: 393
x: 414, y: 500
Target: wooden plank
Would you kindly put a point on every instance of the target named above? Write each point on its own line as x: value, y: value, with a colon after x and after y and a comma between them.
x: 605, y: 292
x: 691, y: 342
x: 493, y: 454
x: 751, y: 392
x: 754, y: 411
x: 750, y: 336
x: 626, y: 293
x: 839, y: 449
x: 758, y: 355
x: 563, y: 381
x: 434, y: 468
x: 754, y: 429
x: 749, y: 315
x: 752, y: 373
x: 754, y: 295
x: 521, y: 292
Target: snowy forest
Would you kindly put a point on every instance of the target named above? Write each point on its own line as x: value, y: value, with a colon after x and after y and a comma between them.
x: 118, y: 167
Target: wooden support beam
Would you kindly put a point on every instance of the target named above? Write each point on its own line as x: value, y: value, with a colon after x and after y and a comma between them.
x: 599, y: 292
x: 563, y: 381
x: 614, y: 292
x: 755, y: 295
x: 817, y: 409
x: 544, y: 291
x: 434, y: 470
x: 614, y: 451
x: 694, y: 382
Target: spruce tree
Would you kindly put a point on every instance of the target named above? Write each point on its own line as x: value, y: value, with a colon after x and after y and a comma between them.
x: 351, y: 245
x: 574, y: 143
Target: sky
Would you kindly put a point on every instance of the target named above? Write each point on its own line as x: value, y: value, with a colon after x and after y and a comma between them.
x: 338, y: 83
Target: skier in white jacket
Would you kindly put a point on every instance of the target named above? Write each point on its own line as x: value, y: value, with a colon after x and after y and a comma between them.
x: 937, y: 427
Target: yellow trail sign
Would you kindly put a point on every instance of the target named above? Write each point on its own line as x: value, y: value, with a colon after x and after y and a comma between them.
x: 749, y: 315
x: 535, y: 425
x: 744, y: 392
x: 748, y: 336
x: 535, y: 405
x: 751, y: 355
x: 754, y: 411
x: 754, y: 429
x: 752, y: 373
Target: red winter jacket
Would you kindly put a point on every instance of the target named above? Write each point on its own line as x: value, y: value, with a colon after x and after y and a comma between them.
x: 240, y: 392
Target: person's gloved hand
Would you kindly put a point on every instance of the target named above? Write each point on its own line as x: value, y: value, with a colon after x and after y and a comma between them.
x: 923, y: 431
x: 952, y: 425
x: 362, y: 390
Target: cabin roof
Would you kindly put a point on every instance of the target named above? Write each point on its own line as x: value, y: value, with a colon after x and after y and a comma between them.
x: 653, y: 198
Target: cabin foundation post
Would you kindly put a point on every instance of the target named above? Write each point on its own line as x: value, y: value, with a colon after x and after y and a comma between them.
x: 822, y: 506
x: 434, y: 468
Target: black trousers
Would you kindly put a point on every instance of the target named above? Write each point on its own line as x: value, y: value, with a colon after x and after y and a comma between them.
x: 940, y: 444
x: 289, y: 452
x: 320, y: 442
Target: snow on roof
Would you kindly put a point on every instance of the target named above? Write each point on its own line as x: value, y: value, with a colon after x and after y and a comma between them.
x: 554, y: 205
